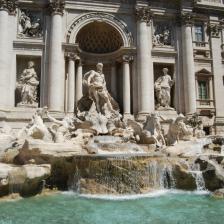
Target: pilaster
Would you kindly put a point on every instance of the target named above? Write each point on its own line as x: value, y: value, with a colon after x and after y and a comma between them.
x: 214, y: 28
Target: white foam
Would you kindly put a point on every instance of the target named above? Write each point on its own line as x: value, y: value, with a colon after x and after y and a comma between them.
x: 152, y: 194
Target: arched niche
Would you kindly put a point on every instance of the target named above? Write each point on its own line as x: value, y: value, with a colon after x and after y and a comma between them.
x: 104, y: 18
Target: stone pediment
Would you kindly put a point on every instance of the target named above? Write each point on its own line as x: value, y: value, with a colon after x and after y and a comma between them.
x: 203, y: 72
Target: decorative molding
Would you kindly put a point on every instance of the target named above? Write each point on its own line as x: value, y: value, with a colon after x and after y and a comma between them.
x: 144, y: 14
x: 57, y: 7
x: 9, y: 5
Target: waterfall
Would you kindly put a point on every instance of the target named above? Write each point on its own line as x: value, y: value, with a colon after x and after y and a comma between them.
x: 160, y: 175
x: 194, y: 169
x: 74, y: 184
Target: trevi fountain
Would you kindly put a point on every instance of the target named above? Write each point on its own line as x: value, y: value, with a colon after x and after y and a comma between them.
x: 99, y: 161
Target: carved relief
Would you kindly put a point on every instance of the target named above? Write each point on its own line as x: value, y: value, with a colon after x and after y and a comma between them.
x: 30, y: 24
x: 163, y: 34
x: 27, y: 86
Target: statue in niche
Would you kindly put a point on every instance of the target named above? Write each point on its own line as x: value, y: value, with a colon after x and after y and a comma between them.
x: 95, y: 91
x: 27, y: 86
x: 162, y: 36
x: 162, y: 88
x: 97, y: 107
x: 29, y: 25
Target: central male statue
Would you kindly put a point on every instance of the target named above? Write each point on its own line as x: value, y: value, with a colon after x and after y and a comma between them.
x: 95, y: 90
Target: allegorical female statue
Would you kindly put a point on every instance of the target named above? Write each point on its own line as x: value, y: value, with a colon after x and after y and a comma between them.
x: 27, y: 86
x: 163, y: 87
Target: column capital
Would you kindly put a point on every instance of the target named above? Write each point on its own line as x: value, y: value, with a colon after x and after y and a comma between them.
x: 215, y: 29
x: 9, y: 5
x: 144, y: 14
x: 57, y: 7
x: 187, y: 18
x: 127, y: 58
x: 72, y: 56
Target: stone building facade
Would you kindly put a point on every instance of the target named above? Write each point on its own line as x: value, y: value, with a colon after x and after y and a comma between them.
x: 134, y: 40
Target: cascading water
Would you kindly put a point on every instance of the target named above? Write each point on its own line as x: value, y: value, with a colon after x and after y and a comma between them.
x: 194, y: 169
x: 161, y: 175
x: 122, y: 175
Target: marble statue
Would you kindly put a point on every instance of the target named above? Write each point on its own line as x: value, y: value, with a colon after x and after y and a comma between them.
x: 178, y: 130
x: 152, y: 131
x: 97, y: 107
x: 36, y: 129
x: 196, y: 123
x: 61, y: 130
x: 28, y: 26
x: 27, y: 86
x: 162, y: 88
x: 7, y: 137
x: 95, y: 91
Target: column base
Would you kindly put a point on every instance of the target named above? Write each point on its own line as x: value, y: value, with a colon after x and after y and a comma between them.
x: 141, y: 116
x: 127, y: 116
x: 219, y: 125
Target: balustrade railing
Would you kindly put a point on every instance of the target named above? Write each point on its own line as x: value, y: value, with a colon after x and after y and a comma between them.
x: 210, y: 1
x: 205, y: 103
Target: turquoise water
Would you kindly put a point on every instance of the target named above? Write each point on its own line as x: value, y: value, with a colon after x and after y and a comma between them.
x: 170, y: 208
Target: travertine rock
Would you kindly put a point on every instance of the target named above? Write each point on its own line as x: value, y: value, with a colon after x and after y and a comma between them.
x: 25, y: 180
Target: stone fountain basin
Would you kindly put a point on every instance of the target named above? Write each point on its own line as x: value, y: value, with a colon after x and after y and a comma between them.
x: 117, y: 172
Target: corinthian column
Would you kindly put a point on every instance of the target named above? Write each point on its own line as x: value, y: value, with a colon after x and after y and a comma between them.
x: 144, y: 61
x: 71, y: 83
x: 6, y: 7
x: 79, y: 94
x: 188, y: 64
x: 56, y: 92
x: 126, y: 86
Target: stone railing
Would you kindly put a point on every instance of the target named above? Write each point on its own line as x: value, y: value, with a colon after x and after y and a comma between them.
x: 202, y: 44
x: 205, y: 103
x: 210, y: 2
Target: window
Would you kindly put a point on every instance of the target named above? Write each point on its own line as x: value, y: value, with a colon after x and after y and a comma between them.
x: 199, y: 33
x: 203, y: 90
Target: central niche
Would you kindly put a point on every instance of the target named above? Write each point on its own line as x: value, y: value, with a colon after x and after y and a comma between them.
x: 99, y: 38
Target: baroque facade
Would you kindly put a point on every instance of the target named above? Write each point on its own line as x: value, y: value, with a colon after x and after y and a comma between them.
x: 155, y: 55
